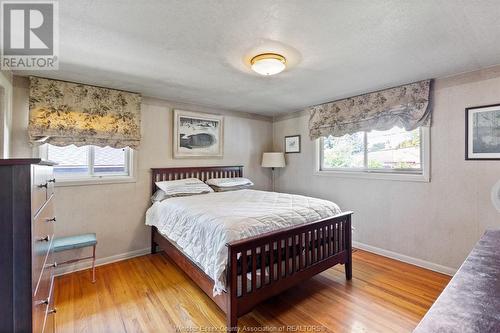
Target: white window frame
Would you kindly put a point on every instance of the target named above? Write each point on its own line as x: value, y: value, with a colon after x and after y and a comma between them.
x: 383, y: 174
x: 91, y: 179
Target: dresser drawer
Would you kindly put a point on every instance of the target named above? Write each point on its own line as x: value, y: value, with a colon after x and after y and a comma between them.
x: 43, y: 234
x: 51, y: 181
x: 43, y: 223
x: 43, y: 302
x: 42, y: 186
x: 40, y: 277
x: 50, y: 320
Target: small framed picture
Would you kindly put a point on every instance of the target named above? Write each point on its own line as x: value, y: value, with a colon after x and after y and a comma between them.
x: 482, y: 132
x: 292, y: 144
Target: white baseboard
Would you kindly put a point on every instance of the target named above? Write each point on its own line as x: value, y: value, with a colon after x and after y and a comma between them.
x: 86, y: 264
x: 407, y: 259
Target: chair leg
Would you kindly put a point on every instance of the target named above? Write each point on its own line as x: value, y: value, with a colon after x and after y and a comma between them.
x: 93, y: 265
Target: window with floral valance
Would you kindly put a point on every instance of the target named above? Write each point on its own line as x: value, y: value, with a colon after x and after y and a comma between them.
x: 384, y: 134
x: 404, y: 106
x: 65, y: 113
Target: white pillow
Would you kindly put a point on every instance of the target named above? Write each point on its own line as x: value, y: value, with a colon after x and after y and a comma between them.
x: 232, y: 188
x: 183, y: 187
x: 229, y: 182
x: 159, y: 196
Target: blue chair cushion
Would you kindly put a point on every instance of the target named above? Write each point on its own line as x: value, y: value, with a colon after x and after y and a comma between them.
x: 74, y: 242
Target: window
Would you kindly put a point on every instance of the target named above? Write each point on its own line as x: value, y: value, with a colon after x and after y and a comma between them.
x: 377, y: 154
x: 89, y: 163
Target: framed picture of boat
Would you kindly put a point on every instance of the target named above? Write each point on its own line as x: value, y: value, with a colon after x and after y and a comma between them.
x: 482, y: 132
x: 198, y: 135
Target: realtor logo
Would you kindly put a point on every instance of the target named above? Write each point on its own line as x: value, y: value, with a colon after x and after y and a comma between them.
x: 30, y: 32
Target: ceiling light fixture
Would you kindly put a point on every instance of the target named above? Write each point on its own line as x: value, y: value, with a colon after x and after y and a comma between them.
x: 268, y: 63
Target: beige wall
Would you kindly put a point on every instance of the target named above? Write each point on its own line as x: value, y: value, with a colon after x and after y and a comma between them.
x: 434, y: 224
x: 116, y: 211
x: 5, y: 113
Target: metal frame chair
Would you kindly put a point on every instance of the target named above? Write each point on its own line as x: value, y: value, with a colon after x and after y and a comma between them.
x: 77, y: 242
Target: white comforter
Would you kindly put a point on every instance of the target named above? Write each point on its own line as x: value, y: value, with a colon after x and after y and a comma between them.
x: 201, y: 225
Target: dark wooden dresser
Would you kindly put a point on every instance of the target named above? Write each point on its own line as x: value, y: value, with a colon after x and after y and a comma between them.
x: 27, y: 220
x: 471, y: 301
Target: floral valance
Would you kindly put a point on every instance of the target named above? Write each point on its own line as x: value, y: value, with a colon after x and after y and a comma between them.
x: 404, y: 106
x: 64, y: 113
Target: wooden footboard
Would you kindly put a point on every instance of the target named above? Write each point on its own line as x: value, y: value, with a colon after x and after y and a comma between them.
x: 265, y: 265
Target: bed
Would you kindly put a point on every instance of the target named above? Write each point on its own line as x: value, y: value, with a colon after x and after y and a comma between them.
x: 256, y: 263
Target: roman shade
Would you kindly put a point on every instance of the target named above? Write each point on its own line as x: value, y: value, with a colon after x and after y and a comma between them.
x: 65, y: 113
x: 405, y: 106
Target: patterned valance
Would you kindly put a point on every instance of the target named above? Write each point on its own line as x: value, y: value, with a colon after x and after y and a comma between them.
x: 65, y: 113
x: 404, y: 106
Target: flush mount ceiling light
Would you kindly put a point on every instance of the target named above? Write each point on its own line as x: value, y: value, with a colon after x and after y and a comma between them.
x: 268, y: 63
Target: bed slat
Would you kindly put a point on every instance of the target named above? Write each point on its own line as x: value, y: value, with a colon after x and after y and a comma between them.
x: 325, y: 241
x: 308, y: 248
x: 280, y: 259
x: 262, y: 265
x: 271, y: 262
x: 244, y: 264
x: 254, y: 269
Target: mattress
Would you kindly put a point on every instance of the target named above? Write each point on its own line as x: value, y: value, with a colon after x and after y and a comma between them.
x: 201, y: 225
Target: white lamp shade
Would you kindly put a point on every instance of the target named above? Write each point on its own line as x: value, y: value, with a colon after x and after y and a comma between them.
x: 273, y: 160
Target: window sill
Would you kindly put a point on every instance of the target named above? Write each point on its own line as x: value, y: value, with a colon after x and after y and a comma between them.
x: 95, y: 181
x: 408, y: 177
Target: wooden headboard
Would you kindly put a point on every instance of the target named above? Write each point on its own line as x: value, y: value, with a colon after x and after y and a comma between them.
x: 202, y: 173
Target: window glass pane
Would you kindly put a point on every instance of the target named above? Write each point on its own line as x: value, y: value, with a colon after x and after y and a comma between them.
x: 109, y: 160
x: 71, y: 160
x: 343, y: 152
x: 394, y: 149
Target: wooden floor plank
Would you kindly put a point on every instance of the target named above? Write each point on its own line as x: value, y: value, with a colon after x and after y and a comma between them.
x: 150, y: 294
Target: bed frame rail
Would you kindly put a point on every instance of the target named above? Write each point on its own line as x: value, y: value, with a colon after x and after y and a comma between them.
x: 287, y: 256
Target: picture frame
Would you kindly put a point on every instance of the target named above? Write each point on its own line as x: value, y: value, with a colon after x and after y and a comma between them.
x: 198, y: 135
x: 292, y: 144
x: 482, y: 132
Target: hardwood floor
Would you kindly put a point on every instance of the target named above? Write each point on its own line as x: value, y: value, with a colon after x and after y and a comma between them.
x: 150, y: 294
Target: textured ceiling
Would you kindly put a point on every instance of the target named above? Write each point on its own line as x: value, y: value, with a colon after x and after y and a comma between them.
x: 197, y: 51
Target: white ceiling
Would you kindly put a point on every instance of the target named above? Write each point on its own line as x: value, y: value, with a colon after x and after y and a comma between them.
x: 197, y: 51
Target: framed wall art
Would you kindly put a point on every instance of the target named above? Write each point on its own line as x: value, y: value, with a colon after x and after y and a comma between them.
x: 198, y: 135
x: 482, y: 132
x: 292, y: 144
